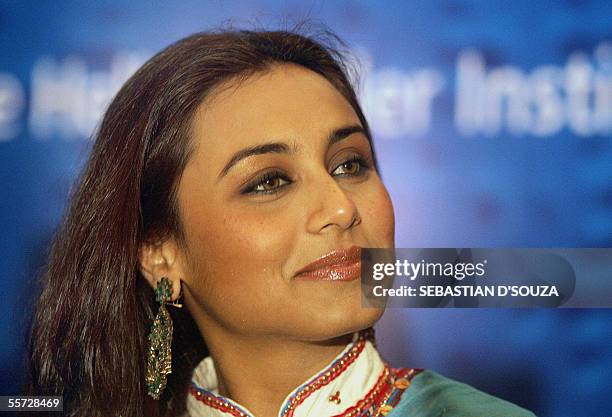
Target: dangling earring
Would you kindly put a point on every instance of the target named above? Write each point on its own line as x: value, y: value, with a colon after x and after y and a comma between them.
x: 159, y: 357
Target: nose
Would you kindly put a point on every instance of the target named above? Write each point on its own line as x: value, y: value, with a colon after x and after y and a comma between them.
x: 332, y: 207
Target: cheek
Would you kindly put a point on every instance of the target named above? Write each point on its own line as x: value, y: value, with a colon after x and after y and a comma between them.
x: 234, y: 237
x: 255, y: 237
x: 378, y: 220
x: 237, y: 257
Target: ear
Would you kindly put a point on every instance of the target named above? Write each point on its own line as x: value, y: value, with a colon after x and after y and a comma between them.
x: 159, y: 259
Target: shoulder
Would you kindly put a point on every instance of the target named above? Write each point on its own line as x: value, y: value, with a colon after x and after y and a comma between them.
x: 433, y: 395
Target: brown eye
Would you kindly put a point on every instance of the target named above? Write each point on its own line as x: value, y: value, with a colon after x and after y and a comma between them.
x: 267, y: 184
x: 352, y: 166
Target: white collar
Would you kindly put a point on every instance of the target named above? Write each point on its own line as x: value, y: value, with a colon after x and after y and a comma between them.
x: 358, y: 376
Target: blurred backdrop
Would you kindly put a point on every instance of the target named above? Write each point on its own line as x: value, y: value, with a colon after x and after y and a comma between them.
x: 493, y: 126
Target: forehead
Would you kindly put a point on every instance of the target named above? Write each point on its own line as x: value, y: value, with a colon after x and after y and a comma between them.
x: 288, y: 102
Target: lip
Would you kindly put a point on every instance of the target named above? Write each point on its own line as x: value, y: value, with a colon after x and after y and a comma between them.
x: 339, y: 265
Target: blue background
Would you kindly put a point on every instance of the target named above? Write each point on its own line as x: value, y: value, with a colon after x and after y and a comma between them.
x: 503, y: 182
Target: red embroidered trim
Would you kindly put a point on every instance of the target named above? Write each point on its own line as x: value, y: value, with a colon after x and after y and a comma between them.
x: 384, y: 392
x: 381, y: 394
x: 326, y: 377
x: 212, y: 401
x: 379, y: 388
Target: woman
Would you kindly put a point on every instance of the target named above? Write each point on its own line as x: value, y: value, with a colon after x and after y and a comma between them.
x: 233, y: 173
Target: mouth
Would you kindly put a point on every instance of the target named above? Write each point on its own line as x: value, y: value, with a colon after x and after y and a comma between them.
x: 339, y: 265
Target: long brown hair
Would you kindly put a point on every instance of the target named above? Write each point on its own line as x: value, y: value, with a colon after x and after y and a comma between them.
x: 89, y: 333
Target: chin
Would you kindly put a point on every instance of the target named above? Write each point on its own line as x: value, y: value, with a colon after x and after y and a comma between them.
x: 328, y: 310
x: 330, y: 324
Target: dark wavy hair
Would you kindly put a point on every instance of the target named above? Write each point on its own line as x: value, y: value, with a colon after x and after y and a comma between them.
x: 88, y: 340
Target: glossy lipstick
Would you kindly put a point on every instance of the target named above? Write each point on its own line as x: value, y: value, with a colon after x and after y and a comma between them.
x: 339, y: 265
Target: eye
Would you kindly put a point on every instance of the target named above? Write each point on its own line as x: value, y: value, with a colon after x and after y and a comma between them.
x: 354, y: 166
x: 268, y: 183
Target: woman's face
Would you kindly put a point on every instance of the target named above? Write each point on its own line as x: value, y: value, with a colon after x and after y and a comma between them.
x: 252, y: 222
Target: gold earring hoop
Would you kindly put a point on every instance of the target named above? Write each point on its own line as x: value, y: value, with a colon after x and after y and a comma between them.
x: 159, y: 355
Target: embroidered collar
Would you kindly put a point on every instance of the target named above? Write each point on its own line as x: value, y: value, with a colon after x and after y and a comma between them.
x: 357, y: 383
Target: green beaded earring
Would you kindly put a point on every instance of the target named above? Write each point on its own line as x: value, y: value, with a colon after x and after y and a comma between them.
x: 159, y: 357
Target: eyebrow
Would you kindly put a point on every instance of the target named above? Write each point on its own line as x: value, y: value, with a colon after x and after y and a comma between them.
x: 279, y: 147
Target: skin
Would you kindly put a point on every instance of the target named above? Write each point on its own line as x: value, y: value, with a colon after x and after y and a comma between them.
x: 267, y: 331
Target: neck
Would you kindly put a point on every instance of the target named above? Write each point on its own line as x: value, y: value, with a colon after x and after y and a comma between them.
x: 259, y: 372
